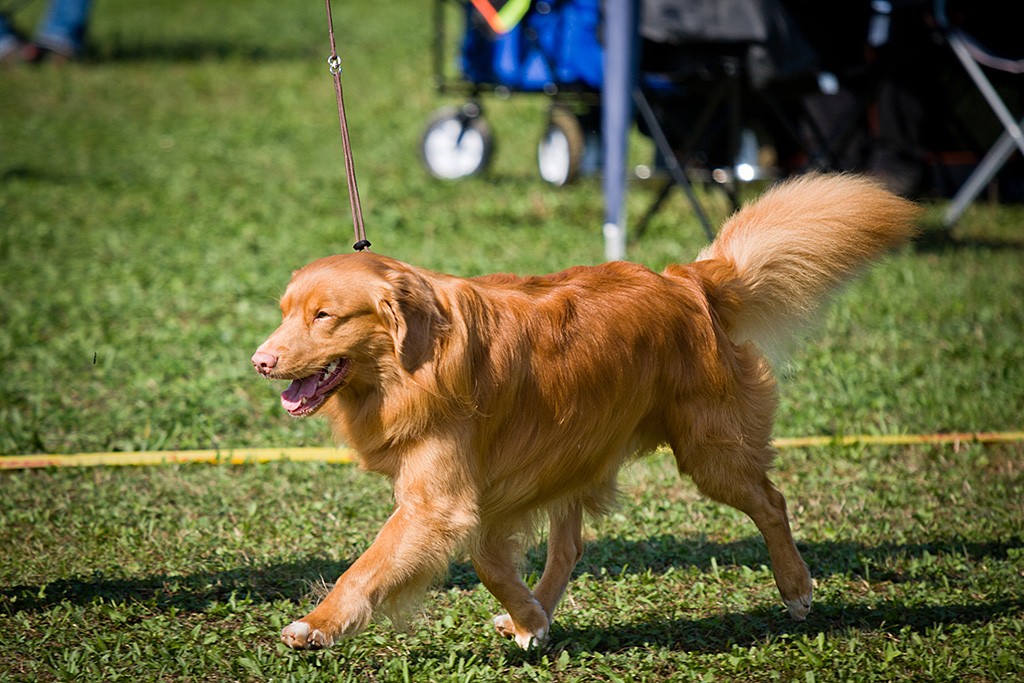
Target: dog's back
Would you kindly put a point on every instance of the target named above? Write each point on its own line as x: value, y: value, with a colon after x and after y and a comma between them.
x: 571, y: 372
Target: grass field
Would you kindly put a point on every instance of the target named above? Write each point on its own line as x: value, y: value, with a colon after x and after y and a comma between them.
x: 153, y: 202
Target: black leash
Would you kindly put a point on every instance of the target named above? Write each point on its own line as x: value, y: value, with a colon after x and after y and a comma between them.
x: 334, y: 62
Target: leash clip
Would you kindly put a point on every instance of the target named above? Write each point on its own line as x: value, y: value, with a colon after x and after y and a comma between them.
x: 334, y: 63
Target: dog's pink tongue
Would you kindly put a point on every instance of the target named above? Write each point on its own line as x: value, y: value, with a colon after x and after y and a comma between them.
x: 291, y: 398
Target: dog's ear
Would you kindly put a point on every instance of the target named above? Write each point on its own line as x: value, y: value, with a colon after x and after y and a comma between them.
x: 410, y: 311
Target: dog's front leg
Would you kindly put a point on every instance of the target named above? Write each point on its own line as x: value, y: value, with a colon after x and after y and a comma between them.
x: 413, y: 546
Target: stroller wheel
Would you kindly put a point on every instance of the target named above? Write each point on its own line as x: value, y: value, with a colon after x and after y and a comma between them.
x: 560, y: 150
x: 457, y: 143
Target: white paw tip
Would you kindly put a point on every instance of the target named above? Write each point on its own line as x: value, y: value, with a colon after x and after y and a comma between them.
x: 295, y: 634
x: 800, y: 607
x: 301, y: 636
x: 532, y: 640
x: 506, y: 627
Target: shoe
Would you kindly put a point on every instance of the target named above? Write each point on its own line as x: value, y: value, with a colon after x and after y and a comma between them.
x: 34, y: 53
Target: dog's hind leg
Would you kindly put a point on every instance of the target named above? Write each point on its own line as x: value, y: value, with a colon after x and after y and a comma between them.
x: 735, y: 474
x: 494, y: 558
x: 565, y: 548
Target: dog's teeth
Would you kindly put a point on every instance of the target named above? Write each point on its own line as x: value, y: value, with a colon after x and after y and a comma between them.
x: 325, y: 373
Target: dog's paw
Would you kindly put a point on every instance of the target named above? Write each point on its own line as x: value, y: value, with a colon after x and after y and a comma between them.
x: 799, y: 607
x: 299, y: 635
x: 524, y: 638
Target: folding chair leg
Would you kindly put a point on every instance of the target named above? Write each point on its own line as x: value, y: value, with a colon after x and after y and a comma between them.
x: 1012, y: 137
x: 641, y: 226
x: 674, y: 168
x: 990, y: 94
x: 980, y: 177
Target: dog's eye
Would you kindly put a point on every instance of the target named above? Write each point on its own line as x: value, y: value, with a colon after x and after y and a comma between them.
x: 320, y: 315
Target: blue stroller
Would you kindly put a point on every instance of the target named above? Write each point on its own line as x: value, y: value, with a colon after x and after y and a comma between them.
x: 555, y: 47
x: 549, y: 47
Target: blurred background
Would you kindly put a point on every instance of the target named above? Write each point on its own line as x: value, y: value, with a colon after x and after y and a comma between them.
x: 158, y: 187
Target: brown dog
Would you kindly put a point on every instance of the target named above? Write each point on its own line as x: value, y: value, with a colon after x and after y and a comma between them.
x: 490, y: 401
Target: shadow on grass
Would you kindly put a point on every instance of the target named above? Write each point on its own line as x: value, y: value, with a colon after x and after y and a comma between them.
x: 938, y: 239
x: 186, y: 592
x: 659, y: 553
x: 196, y: 51
x: 294, y: 580
x: 35, y: 174
x: 745, y: 629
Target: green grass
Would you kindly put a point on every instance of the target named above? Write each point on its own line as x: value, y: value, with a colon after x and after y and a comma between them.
x: 185, y: 573
x: 153, y: 202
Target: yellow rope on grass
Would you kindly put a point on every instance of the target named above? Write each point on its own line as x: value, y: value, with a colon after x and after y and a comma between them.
x: 955, y: 438
x: 249, y: 456
x: 238, y: 456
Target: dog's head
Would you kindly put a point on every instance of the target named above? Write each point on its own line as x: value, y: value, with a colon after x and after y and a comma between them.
x: 347, y: 321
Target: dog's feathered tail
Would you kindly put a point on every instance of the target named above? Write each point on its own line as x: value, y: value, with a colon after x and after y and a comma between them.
x: 775, y: 261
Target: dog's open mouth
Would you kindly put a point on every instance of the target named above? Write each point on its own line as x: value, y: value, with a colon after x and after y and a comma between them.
x: 304, y: 396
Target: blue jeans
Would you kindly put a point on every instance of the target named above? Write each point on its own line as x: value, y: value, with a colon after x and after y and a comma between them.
x: 61, y: 30
x: 8, y: 40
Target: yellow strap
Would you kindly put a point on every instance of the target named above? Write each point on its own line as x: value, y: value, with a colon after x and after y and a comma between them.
x: 898, y: 439
x: 250, y: 456
x: 238, y: 456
